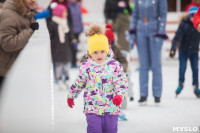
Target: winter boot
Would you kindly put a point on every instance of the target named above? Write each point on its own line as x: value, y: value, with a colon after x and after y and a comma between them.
x: 143, y: 100
x: 197, y: 91
x: 157, y: 100
x: 179, y: 89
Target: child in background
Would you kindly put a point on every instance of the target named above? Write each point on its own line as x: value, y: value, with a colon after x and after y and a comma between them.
x: 119, y: 56
x: 104, y: 82
x: 60, y: 37
x: 188, y: 49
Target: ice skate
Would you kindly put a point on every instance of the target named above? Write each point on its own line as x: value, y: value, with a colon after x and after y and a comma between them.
x: 179, y: 89
x: 143, y: 101
x: 122, y: 117
x: 157, y: 100
x: 197, y: 91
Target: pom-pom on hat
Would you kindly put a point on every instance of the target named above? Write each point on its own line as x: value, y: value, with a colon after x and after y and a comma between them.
x: 58, y: 10
x: 192, y: 11
x: 109, y: 34
x: 97, y: 40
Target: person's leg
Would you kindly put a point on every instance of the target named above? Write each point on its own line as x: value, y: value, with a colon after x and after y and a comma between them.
x: 130, y: 86
x: 66, y: 68
x: 194, y: 58
x: 182, y: 66
x: 143, y: 51
x: 195, y: 72
x: 94, y: 123
x: 110, y: 123
x: 58, y: 71
x: 74, y: 51
x: 155, y: 58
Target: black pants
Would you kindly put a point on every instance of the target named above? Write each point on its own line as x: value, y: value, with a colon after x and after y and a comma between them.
x: 74, y: 51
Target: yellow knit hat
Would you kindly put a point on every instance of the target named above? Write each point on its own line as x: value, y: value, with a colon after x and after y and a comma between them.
x: 97, y: 42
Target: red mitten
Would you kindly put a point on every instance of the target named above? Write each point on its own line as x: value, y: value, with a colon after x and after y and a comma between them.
x: 117, y: 100
x: 70, y: 102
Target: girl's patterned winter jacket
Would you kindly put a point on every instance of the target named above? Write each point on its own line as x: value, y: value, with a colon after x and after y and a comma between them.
x: 101, y: 84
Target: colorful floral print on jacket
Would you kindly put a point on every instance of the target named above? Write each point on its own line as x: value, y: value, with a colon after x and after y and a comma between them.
x: 101, y: 83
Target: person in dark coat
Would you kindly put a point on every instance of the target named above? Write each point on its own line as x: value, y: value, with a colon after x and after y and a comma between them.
x: 189, y: 39
x: 110, y: 9
x: 60, y: 36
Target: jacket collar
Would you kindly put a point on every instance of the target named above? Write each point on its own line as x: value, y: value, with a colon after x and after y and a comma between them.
x: 97, y: 64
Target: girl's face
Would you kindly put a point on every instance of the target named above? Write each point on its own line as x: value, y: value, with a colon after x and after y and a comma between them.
x: 99, y: 56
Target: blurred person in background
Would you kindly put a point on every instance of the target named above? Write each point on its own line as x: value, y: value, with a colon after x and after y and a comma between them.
x: 1, y: 4
x: 193, y: 3
x: 121, y: 24
x: 17, y: 25
x: 60, y: 36
x: 119, y: 56
x: 147, y: 29
x: 58, y: 57
x: 52, y: 5
x: 110, y: 9
x: 77, y: 28
x: 189, y: 39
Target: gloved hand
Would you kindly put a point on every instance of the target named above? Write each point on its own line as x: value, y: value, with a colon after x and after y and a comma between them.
x: 132, y: 31
x: 117, y: 100
x: 34, y: 26
x: 131, y: 41
x: 172, y: 53
x: 74, y: 44
x: 70, y: 102
x: 163, y: 36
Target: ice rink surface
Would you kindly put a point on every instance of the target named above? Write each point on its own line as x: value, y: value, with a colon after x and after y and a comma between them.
x: 32, y: 103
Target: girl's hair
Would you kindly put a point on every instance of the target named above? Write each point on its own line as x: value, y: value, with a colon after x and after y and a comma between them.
x: 95, y: 29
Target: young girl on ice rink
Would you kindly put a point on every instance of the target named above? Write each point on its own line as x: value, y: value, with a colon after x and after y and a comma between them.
x: 105, y: 85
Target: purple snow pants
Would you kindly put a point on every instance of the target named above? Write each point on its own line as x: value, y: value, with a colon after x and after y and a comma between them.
x: 101, y: 123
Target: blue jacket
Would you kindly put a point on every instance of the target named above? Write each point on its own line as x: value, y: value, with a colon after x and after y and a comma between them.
x: 187, y: 37
x: 149, y: 16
